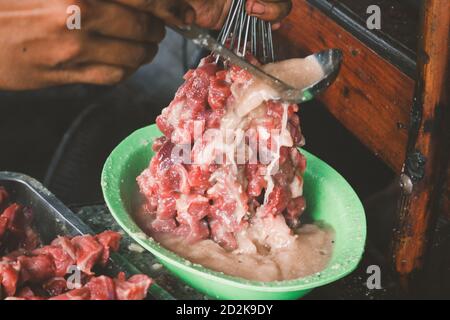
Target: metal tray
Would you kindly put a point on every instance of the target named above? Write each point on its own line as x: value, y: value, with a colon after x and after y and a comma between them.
x: 52, y: 218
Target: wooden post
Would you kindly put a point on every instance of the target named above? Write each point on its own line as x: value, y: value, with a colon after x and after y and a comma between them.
x: 425, y: 168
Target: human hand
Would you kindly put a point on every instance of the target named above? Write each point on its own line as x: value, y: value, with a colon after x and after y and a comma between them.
x: 210, y: 14
x: 38, y: 50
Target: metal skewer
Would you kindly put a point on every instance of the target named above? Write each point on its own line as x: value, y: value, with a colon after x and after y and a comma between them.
x: 245, y: 34
x: 329, y: 61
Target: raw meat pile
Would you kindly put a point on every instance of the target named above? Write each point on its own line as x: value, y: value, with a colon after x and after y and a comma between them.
x: 29, y: 271
x: 207, y: 193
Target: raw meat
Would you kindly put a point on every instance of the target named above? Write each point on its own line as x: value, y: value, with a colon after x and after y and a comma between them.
x: 228, y: 159
x: 15, y: 228
x: 32, y: 272
x: 45, y: 264
x: 135, y: 288
x: 99, y: 288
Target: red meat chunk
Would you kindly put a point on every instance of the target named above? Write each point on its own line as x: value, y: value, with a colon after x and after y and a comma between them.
x: 219, y: 92
x: 161, y: 225
x: 88, y: 252
x: 36, y: 269
x: 134, y: 288
x: 66, y: 245
x: 204, y: 198
x: 110, y: 241
x: 15, y: 229
x: 55, y: 286
x: 27, y: 270
x: 61, y: 260
x: 278, y: 201
x: 102, y: 288
x: 9, y: 276
x: 294, y: 210
x: 76, y: 294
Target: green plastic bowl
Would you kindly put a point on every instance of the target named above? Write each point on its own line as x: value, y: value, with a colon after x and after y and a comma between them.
x: 329, y: 197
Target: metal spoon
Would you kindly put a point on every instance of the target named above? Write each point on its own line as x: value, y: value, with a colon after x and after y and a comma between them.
x: 329, y: 60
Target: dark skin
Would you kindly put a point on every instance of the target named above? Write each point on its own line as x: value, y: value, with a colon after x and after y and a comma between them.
x: 116, y: 37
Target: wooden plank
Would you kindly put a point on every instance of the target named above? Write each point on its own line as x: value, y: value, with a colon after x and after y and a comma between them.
x: 371, y: 97
x: 428, y: 148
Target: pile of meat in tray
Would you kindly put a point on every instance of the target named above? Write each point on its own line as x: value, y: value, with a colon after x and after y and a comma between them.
x: 209, y: 200
x: 30, y: 271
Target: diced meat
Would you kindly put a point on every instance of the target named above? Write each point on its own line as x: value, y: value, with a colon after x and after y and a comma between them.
x: 9, y: 276
x: 134, y: 288
x: 76, y: 294
x: 62, y: 261
x: 294, y: 210
x: 278, y: 201
x: 105, y: 288
x: 66, y: 245
x: 167, y: 207
x: 217, y: 193
x: 12, y: 233
x: 256, y: 181
x: 36, y: 269
x: 102, y: 288
x: 158, y: 143
x: 110, y: 241
x: 55, y: 286
x: 161, y: 225
x: 219, y: 92
x: 31, y: 273
x: 220, y: 234
x: 88, y: 252
x: 15, y: 229
x: 198, y: 178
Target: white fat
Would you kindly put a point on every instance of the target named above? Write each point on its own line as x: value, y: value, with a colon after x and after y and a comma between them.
x: 285, y: 135
x: 228, y: 181
x: 263, y: 133
x: 299, y: 73
x: 272, y: 231
x: 182, y: 204
x: 135, y: 248
x: 249, y: 98
x: 284, y: 139
x: 254, y: 95
x: 245, y: 244
x: 174, y: 113
x: 296, y: 187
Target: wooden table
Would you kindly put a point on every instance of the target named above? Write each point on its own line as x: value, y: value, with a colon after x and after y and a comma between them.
x: 396, y: 106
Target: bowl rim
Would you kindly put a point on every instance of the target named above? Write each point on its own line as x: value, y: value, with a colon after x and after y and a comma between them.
x: 111, y: 181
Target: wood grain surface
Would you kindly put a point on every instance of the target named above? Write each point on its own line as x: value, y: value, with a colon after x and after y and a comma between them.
x: 371, y: 97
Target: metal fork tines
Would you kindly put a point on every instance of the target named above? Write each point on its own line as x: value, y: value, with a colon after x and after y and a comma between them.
x: 246, y: 34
